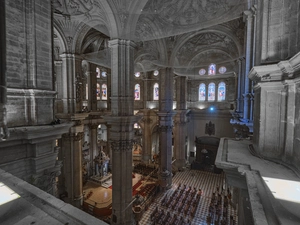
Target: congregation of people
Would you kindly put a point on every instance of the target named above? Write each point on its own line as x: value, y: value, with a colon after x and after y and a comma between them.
x: 219, y: 208
x: 183, y: 199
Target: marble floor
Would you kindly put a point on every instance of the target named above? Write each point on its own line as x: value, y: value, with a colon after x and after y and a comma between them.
x: 208, y: 183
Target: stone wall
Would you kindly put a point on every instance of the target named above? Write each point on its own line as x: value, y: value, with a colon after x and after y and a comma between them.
x: 276, y: 112
x: 277, y: 31
x: 29, y: 62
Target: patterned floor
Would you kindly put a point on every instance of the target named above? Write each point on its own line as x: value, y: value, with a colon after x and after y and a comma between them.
x: 208, y: 183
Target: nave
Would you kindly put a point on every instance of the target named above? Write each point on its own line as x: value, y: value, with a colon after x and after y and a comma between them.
x: 188, y: 183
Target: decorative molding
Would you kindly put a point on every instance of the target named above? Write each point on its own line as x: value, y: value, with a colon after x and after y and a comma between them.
x: 122, y: 145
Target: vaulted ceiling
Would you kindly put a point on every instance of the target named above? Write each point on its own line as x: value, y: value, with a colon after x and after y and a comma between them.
x: 183, y: 34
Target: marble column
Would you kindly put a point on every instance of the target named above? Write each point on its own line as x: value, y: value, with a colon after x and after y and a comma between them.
x: 4, y: 134
x: 93, y: 146
x: 248, y: 18
x: 121, y: 121
x: 165, y: 115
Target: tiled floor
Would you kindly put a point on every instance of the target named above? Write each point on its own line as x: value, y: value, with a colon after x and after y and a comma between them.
x: 207, y: 182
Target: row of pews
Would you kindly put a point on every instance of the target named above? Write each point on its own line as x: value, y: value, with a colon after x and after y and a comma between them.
x: 160, y: 217
x: 183, y: 199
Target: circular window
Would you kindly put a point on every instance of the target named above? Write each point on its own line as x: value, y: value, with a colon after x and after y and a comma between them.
x: 155, y: 73
x: 104, y: 74
x: 222, y: 69
x: 202, y: 71
x: 137, y: 74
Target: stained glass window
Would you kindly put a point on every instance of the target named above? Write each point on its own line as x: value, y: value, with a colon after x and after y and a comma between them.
x: 97, y: 72
x: 202, y: 71
x: 155, y: 73
x: 222, y: 69
x: 221, y: 91
x: 211, y: 92
x: 137, y: 92
x: 98, y: 92
x: 212, y: 69
x: 202, y: 90
x: 137, y: 74
x: 104, y: 92
x: 155, y: 91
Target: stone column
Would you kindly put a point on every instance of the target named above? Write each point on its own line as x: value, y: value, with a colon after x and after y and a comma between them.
x: 241, y: 78
x: 248, y: 18
x: 72, y: 80
x: 165, y: 115
x: 72, y: 167
x: 93, y: 146
x: 180, y: 122
x: 145, y: 90
x: 179, y: 138
x: 147, y: 123
x: 122, y: 120
x: 3, y: 99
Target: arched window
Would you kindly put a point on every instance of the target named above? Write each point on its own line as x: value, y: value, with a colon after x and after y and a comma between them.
x: 155, y: 91
x: 221, y: 91
x: 104, y: 92
x: 211, y: 92
x: 97, y: 72
x: 137, y: 92
x: 202, y: 90
x: 212, y: 69
x: 98, y: 92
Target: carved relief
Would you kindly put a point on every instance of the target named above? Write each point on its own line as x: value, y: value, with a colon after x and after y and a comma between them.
x: 200, y: 43
x: 72, y: 7
x: 179, y: 16
x: 238, y: 27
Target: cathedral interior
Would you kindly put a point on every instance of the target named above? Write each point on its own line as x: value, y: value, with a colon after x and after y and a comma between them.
x: 150, y: 112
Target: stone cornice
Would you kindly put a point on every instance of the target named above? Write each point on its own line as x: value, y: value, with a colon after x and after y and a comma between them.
x: 276, y: 72
x: 36, y: 134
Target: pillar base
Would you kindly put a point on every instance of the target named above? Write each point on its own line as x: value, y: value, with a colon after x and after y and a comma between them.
x: 165, y: 180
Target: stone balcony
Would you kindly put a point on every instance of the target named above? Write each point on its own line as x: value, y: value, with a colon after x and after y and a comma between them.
x: 268, y: 192
x: 22, y: 203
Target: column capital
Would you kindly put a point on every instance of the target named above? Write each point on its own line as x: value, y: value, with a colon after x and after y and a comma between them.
x: 117, y: 42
